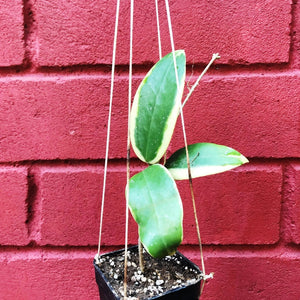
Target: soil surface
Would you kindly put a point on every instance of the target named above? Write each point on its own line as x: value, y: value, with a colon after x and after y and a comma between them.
x: 159, y: 276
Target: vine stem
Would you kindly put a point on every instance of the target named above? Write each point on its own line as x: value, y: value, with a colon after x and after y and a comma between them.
x: 205, y: 277
x: 214, y: 57
x: 185, y: 138
x: 141, y: 257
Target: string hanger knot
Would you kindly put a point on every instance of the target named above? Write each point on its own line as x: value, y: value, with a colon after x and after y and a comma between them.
x: 205, y: 277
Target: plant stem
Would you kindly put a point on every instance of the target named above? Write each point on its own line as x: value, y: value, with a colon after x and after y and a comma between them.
x: 214, y: 57
x: 141, y: 257
x: 165, y: 158
x: 183, y: 127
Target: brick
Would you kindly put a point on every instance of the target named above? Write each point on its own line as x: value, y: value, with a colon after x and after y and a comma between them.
x: 43, y: 275
x: 60, y: 118
x: 256, y: 276
x: 295, y: 203
x: 201, y: 27
x: 70, y: 207
x: 71, y: 275
x: 65, y: 117
x: 236, y: 207
x: 11, y: 23
x: 13, y: 213
x: 239, y: 207
x: 257, y: 115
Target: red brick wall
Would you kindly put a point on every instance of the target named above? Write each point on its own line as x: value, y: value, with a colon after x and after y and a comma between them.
x: 54, y: 92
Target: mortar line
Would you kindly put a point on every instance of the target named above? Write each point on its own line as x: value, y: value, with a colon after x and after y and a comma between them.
x: 30, y: 39
x: 254, y: 162
x: 31, y: 203
x: 231, y: 250
x: 286, y: 214
x: 292, y: 50
x: 35, y: 76
x: 218, y: 69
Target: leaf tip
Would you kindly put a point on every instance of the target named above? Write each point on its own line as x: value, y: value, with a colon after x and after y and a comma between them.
x: 244, y: 160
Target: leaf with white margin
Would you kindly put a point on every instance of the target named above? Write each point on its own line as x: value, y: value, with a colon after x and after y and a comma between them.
x: 156, y: 206
x: 156, y: 107
x: 205, y: 159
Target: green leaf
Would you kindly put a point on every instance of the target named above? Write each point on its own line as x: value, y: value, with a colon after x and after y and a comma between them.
x: 156, y: 206
x: 156, y: 107
x: 205, y: 159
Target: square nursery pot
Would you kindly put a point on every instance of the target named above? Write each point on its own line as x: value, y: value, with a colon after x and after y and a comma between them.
x: 177, y: 277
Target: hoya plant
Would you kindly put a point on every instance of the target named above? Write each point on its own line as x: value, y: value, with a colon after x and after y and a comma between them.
x: 154, y: 200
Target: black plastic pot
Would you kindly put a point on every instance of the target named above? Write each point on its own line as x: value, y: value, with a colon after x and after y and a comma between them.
x: 188, y: 292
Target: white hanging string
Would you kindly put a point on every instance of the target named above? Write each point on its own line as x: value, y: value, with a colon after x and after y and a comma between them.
x: 129, y: 107
x: 158, y: 29
x: 109, y: 122
x: 186, y: 145
x: 128, y: 146
x: 159, y: 52
x: 128, y: 126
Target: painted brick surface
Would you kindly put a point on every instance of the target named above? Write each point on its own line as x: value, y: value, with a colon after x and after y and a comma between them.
x: 61, y: 117
x: 76, y: 32
x: 42, y: 275
x: 13, y: 213
x: 54, y: 93
x: 257, y: 115
x: 12, y: 49
x: 295, y: 203
x: 296, y: 35
x: 253, y: 277
x: 69, y: 194
x: 237, y: 207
